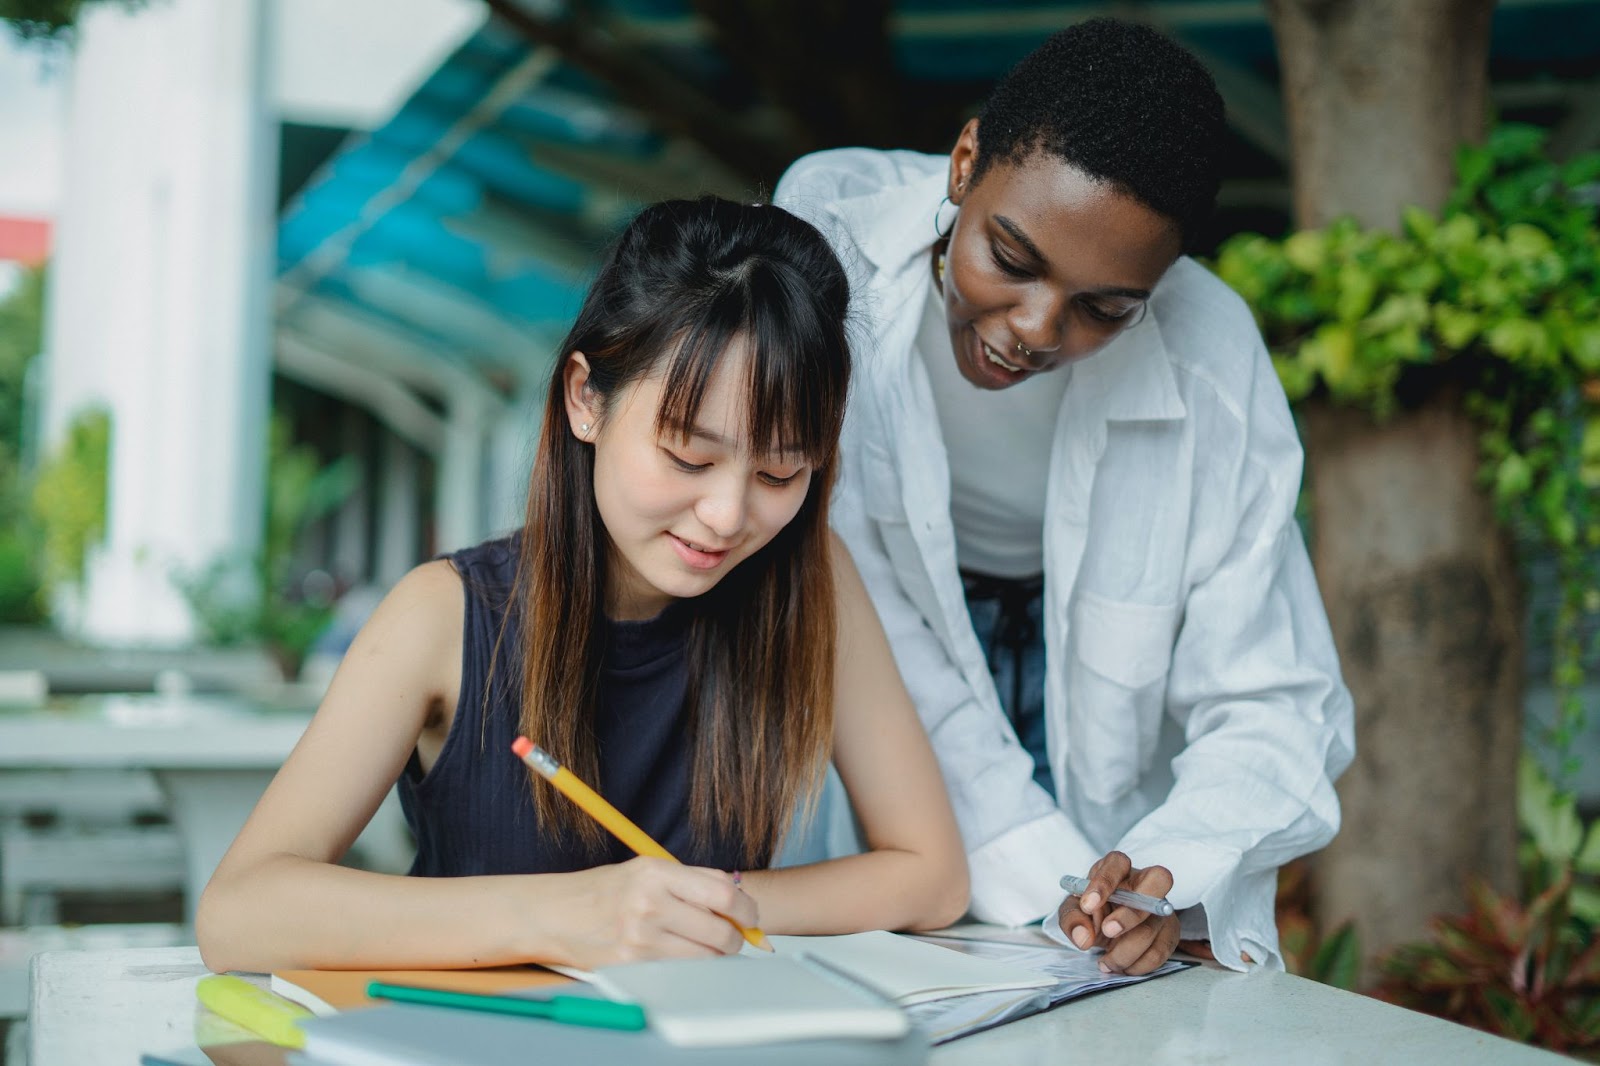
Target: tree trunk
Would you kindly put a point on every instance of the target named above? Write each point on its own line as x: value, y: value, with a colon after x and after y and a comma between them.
x: 1378, y: 96
x: 1425, y: 603
x: 1417, y: 574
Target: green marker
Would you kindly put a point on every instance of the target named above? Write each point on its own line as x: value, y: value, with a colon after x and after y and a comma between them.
x: 572, y: 1010
x: 264, y: 1013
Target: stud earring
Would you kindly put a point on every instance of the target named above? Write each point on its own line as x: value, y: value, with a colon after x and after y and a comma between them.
x: 584, y: 428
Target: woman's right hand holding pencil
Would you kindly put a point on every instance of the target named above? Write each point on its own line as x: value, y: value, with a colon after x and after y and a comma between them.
x: 648, y: 908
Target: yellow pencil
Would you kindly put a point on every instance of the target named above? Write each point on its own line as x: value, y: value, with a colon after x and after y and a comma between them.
x: 595, y: 806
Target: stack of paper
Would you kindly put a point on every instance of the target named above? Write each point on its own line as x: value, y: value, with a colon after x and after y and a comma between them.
x: 867, y: 999
x: 1072, y: 974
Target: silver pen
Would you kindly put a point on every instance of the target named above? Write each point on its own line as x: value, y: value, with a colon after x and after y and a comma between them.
x: 1137, y: 900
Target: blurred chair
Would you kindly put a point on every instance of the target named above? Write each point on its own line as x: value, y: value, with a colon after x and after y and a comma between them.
x: 92, y: 831
x: 23, y: 688
x: 38, y: 866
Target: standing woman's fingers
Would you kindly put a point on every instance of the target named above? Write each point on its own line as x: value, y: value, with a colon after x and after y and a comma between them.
x: 1105, y: 877
x: 1080, y: 928
x: 1143, y: 949
x: 1128, y: 948
x: 1150, y: 881
x: 1122, y: 919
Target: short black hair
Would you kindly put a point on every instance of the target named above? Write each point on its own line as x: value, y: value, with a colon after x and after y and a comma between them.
x: 1120, y: 102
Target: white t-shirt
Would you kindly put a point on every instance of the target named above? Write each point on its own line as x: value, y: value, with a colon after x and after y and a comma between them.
x: 999, y: 449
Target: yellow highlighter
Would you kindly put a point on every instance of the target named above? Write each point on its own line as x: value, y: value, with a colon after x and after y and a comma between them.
x: 595, y: 806
x: 264, y: 1013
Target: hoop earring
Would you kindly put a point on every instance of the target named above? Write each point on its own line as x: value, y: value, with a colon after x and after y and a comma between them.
x: 938, y: 213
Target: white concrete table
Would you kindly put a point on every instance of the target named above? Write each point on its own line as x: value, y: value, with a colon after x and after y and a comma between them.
x: 105, y: 1007
x: 212, y: 756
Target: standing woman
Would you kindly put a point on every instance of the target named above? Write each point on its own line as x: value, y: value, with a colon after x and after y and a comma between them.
x: 1069, y: 483
x: 674, y: 622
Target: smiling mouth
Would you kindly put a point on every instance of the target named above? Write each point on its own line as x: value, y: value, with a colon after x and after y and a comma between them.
x: 700, y: 551
x: 994, y: 357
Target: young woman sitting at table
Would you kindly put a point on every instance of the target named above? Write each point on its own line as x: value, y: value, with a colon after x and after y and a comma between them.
x: 674, y: 623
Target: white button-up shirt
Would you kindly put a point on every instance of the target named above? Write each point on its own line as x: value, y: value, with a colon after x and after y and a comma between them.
x: 1194, y: 711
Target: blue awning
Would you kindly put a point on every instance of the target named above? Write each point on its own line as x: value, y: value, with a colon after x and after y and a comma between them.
x: 469, y: 222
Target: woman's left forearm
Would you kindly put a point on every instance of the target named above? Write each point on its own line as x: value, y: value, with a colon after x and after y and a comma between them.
x: 883, y: 889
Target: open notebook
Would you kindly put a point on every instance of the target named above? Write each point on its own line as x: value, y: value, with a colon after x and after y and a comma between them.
x: 909, y: 971
x: 838, y: 986
x: 1072, y: 974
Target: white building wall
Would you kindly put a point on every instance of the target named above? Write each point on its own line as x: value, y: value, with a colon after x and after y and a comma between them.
x: 159, y: 298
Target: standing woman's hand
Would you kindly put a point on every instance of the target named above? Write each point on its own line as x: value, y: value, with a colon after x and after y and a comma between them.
x: 1135, y: 941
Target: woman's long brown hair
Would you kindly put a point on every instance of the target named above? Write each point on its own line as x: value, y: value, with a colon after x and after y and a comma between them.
x: 685, y: 282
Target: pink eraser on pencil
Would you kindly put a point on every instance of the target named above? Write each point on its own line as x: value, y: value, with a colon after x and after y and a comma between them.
x: 522, y: 745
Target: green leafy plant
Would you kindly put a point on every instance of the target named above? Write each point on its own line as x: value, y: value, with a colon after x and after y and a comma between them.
x: 49, y: 19
x: 20, y: 583
x: 69, y: 496
x: 21, y: 324
x: 266, y: 599
x: 1497, y: 295
x: 1529, y: 972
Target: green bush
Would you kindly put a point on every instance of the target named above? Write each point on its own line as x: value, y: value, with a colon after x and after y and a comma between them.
x: 20, y: 600
x: 69, y: 496
x: 21, y: 323
x: 1497, y: 296
x: 260, y: 600
x: 1528, y: 972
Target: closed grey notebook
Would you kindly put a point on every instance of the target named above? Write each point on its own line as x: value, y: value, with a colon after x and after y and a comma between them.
x: 404, y: 1035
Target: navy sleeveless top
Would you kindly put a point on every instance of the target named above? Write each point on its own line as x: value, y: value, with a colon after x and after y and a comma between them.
x: 472, y: 813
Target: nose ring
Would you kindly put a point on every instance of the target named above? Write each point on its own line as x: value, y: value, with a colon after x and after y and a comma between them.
x: 1024, y: 351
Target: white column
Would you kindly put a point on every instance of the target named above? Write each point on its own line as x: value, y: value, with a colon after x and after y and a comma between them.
x: 513, y: 443
x: 459, y: 519
x: 399, y: 511
x: 159, y: 300
x: 350, y: 522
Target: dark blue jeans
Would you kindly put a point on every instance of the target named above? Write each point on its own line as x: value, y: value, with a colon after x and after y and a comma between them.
x: 1008, y: 616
